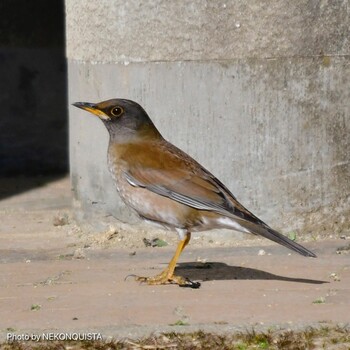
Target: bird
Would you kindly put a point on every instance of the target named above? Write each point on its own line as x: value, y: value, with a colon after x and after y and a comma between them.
x: 166, y: 186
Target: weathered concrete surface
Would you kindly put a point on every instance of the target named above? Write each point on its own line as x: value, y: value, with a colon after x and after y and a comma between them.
x: 240, y: 289
x: 274, y: 131
x: 157, y: 30
x: 87, y: 292
x: 258, y: 94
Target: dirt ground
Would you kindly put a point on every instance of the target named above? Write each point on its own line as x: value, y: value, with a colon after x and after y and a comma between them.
x: 57, y: 277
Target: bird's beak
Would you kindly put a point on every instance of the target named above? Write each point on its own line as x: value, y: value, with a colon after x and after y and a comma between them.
x: 92, y: 108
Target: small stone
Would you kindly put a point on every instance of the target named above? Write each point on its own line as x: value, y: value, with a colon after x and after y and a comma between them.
x: 35, y: 307
x: 343, y: 250
x: 79, y: 254
x: 147, y: 242
x: 335, y: 277
x: 261, y: 252
x: 320, y: 300
x: 60, y: 219
x: 112, y: 233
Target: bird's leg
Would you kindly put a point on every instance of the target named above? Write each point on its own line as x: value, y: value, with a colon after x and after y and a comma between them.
x: 167, y: 276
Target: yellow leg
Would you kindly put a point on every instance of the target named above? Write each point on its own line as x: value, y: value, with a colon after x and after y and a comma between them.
x: 167, y: 276
x: 180, y: 247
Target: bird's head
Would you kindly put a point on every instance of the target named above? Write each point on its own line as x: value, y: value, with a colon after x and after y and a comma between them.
x: 122, y: 118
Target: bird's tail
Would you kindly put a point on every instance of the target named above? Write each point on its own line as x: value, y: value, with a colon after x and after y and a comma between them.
x: 275, y: 236
x: 262, y: 229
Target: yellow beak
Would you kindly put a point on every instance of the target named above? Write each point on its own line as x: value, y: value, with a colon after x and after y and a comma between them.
x: 92, y: 108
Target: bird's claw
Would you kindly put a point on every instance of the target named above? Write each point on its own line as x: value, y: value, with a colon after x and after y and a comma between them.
x: 131, y: 275
x: 163, y: 278
x: 190, y: 284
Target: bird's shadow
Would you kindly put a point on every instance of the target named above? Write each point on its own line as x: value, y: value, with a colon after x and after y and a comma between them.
x: 213, y: 271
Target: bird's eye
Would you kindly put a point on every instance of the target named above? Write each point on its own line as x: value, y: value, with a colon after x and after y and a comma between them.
x: 117, y: 111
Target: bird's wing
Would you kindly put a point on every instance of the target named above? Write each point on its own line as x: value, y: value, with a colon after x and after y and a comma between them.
x: 182, y: 187
x: 172, y: 173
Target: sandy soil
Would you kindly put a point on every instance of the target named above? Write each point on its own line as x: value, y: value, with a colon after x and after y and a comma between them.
x: 57, y: 277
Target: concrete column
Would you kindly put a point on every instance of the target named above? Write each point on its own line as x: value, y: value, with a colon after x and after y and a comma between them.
x: 256, y: 92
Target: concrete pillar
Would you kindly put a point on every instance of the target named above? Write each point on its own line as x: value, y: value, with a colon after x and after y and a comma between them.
x: 256, y: 92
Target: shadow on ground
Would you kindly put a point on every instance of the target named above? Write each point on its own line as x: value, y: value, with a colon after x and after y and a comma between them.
x: 10, y: 186
x: 213, y: 271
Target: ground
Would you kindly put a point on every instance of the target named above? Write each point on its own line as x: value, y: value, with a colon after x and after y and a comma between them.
x: 56, y: 277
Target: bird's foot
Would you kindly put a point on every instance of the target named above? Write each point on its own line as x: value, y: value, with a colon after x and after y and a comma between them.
x: 164, y: 278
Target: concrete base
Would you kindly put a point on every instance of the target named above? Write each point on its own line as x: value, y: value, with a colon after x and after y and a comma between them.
x: 275, y: 131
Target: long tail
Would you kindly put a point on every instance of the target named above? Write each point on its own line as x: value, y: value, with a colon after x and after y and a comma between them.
x: 269, y: 233
x: 283, y: 240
